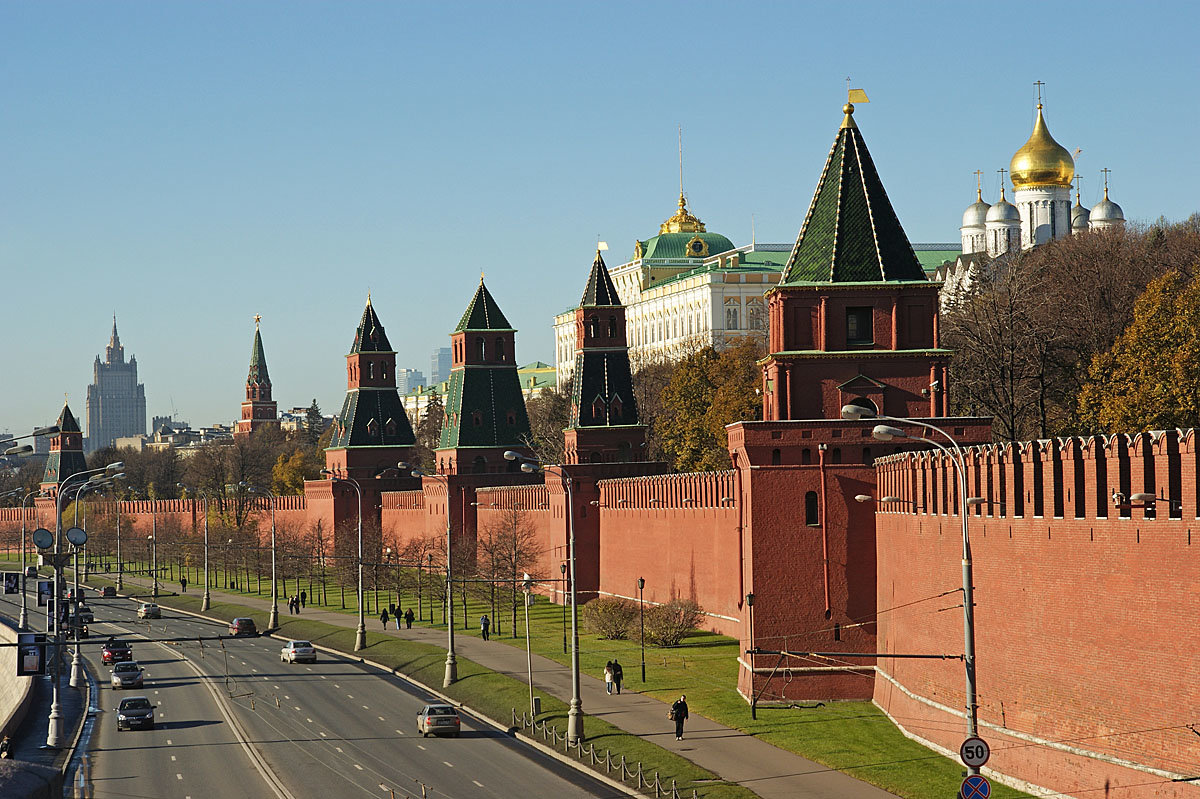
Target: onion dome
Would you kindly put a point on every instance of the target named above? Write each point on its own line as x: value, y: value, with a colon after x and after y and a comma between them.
x: 1107, y: 211
x: 1042, y: 161
x: 976, y: 213
x: 1080, y: 217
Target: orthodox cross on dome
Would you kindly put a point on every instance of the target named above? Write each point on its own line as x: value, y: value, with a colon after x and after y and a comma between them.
x: 1002, y: 172
x: 1106, y: 170
x: 1039, y: 85
x: 1078, y: 178
x: 979, y: 184
x: 257, y: 319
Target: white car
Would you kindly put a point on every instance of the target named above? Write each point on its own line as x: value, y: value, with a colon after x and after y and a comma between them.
x: 298, y: 652
x: 149, y: 610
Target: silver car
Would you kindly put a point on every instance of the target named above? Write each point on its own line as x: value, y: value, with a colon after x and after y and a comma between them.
x: 298, y: 652
x: 126, y: 675
x: 438, y: 720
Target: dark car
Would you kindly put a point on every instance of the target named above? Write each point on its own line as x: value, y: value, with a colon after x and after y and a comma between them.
x: 108, y: 590
x: 85, y: 614
x: 243, y: 625
x: 438, y: 720
x: 116, y: 652
x: 135, y: 711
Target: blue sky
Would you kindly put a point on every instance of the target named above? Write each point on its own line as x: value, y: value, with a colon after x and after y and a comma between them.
x: 188, y: 165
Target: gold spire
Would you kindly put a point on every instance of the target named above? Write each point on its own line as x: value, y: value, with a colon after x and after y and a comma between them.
x: 682, y: 221
x: 852, y: 96
x: 978, y: 185
x: 1106, y: 170
x: 1042, y: 161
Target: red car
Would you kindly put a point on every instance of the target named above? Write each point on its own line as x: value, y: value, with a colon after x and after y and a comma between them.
x: 116, y: 652
x: 243, y: 625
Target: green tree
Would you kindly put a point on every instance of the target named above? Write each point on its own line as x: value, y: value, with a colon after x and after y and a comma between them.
x: 1150, y: 378
x: 428, y: 430
x: 549, y: 414
x: 314, y: 424
x: 290, y: 471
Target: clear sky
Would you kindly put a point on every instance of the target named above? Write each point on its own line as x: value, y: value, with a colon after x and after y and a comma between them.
x: 188, y: 165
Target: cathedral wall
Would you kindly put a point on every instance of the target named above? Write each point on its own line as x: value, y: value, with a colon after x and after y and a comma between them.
x: 1085, y: 611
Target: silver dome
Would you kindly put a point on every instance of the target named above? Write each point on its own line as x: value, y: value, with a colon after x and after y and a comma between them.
x: 1079, y: 217
x: 1107, y: 211
x: 976, y: 214
x: 1004, y: 211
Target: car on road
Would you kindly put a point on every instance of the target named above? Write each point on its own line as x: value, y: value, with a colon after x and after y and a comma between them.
x: 298, y: 652
x: 116, y: 652
x: 243, y: 625
x: 438, y: 720
x: 85, y: 614
x: 31, y: 571
x: 149, y: 610
x: 135, y: 711
x: 108, y: 590
x: 126, y: 675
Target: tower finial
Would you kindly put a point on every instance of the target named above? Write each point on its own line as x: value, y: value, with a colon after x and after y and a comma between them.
x: 1106, y: 170
x: 1039, y: 85
x: 979, y: 185
x: 681, y: 201
x: 1078, y: 178
x: 1002, y: 173
x: 257, y: 319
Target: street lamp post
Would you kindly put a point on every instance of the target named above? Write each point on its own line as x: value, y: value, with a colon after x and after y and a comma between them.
x: 429, y: 568
x: 642, y: 623
x: 884, y: 432
x: 562, y: 569
x: 527, y: 587
x: 753, y: 693
x: 204, y: 602
x: 273, y: 620
x: 23, y: 624
x: 451, y: 661
x: 77, y: 677
x: 360, y: 635
x: 575, y: 714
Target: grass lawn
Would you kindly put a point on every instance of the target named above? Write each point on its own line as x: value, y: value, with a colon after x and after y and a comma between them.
x: 854, y: 737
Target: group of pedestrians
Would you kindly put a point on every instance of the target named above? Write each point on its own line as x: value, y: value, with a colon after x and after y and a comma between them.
x: 295, y: 603
x: 407, y: 616
x: 614, y: 675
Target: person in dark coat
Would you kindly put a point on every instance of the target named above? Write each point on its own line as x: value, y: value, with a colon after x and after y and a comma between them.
x: 383, y: 617
x: 679, y: 713
x: 303, y: 598
x: 618, y: 675
x: 408, y: 618
x: 485, y: 626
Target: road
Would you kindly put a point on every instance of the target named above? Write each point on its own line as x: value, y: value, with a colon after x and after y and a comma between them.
x: 232, y: 720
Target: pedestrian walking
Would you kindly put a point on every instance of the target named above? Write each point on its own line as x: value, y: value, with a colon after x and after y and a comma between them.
x: 678, y: 714
x: 296, y: 604
x: 408, y: 618
x: 608, y: 677
x: 618, y: 675
x: 383, y: 617
x: 485, y: 626
x: 183, y: 584
x: 292, y: 605
x: 303, y: 597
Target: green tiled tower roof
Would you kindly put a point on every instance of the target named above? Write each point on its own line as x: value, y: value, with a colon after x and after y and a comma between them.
x: 370, y: 336
x: 483, y: 313
x: 258, y: 362
x: 67, y: 459
x: 484, y: 408
x: 600, y: 289
x: 851, y: 233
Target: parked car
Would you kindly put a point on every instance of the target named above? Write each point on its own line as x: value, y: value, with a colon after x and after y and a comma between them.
x: 116, y: 652
x: 149, y: 610
x: 85, y: 614
x: 243, y: 625
x: 126, y: 675
x: 31, y: 571
x: 438, y: 720
x: 108, y: 590
x: 298, y: 652
x: 135, y: 711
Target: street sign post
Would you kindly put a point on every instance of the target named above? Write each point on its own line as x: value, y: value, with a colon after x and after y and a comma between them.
x: 974, y: 752
x: 975, y: 786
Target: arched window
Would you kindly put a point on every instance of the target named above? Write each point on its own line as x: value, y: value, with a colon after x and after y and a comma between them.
x: 512, y: 417
x: 500, y: 349
x: 867, y: 459
x: 863, y: 402
x: 836, y: 455
x: 389, y: 427
x: 806, y: 456
x: 591, y: 326
x: 480, y: 347
x: 812, y: 514
x: 595, y: 457
x: 598, y: 408
x: 370, y: 370
x: 777, y: 457
x: 612, y: 327
x: 615, y: 408
x: 477, y: 419
x: 479, y: 465
x: 373, y: 428
x: 383, y: 370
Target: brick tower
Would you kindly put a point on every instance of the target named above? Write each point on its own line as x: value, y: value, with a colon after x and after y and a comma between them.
x: 485, y: 409
x: 604, y: 426
x: 258, y: 409
x: 853, y: 321
x: 372, y: 432
x: 66, y: 453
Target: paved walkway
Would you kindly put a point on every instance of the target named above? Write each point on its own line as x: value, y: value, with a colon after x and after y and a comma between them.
x: 769, y: 771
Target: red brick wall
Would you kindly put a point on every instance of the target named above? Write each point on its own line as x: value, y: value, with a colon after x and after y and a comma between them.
x: 1086, y: 632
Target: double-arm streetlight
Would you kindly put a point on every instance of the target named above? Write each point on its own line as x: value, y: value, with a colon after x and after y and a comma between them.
x: 883, y: 432
x: 24, y: 621
x: 273, y: 621
x: 204, y: 602
x: 54, y: 737
x: 78, y: 680
x: 360, y: 636
x: 575, y: 714
x: 451, y: 660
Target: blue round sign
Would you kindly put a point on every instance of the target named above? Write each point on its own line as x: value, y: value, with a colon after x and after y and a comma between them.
x: 976, y: 786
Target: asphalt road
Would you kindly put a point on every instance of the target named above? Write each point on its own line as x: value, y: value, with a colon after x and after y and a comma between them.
x: 232, y: 720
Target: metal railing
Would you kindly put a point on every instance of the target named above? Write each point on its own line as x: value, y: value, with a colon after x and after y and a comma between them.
x: 583, y: 751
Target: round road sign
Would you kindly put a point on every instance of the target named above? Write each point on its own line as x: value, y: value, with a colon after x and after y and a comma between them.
x: 43, y: 538
x: 974, y: 752
x: 975, y: 786
x: 77, y: 536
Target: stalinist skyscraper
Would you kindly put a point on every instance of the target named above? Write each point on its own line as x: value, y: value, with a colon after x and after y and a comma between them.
x: 116, y: 401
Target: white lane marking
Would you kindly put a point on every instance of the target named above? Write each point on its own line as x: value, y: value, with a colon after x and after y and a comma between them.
x: 339, y: 749
x: 366, y: 708
x: 349, y: 696
x: 310, y: 721
x: 308, y: 667
x: 178, y: 776
x: 421, y: 747
x: 276, y: 687
x: 360, y: 768
x: 448, y: 763
x: 285, y: 696
x: 172, y: 757
x: 323, y: 677
x: 295, y: 707
x: 477, y: 782
x: 381, y: 718
x: 168, y: 742
x: 399, y: 733
x: 253, y: 669
x: 323, y: 735
x: 335, y: 685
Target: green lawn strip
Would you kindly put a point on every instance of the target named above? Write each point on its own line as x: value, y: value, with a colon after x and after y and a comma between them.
x: 491, y: 694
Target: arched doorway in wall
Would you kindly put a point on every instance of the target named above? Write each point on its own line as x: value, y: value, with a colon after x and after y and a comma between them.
x: 863, y: 402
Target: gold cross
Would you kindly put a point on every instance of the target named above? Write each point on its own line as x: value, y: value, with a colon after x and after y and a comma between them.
x: 979, y: 182
x: 1039, y: 85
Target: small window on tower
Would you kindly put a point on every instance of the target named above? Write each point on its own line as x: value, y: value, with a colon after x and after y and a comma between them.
x: 479, y: 345
x: 612, y: 327
x: 858, y: 327
x: 477, y: 419
x: 598, y: 408
x: 615, y: 407
x: 512, y: 417
x: 389, y: 427
x: 373, y: 428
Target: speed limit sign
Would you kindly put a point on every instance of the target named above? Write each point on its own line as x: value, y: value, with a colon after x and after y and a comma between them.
x: 974, y: 752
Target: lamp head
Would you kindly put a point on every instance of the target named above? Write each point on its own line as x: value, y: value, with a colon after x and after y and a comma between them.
x: 863, y: 497
x: 885, y: 432
x: 892, y: 499
x: 114, y: 467
x: 20, y: 449
x: 855, y: 412
x: 562, y: 567
x: 641, y: 583
x: 528, y: 467
x: 417, y: 473
x: 405, y: 466
x: 750, y: 599
x: 512, y: 455
x: 46, y: 431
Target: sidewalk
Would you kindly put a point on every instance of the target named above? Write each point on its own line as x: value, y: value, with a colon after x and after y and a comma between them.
x: 769, y: 771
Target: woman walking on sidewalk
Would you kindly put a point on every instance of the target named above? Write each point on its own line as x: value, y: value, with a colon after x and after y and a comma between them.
x: 383, y: 617
x: 608, y: 677
x: 679, y: 712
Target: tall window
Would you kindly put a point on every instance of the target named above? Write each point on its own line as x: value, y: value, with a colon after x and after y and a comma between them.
x: 480, y: 346
x: 859, y: 330
x: 812, y: 513
x: 732, y: 318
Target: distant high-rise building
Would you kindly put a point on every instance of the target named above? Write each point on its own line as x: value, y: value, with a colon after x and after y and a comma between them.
x: 408, y: 379
x: 116, y: 401
x: 439, y: 366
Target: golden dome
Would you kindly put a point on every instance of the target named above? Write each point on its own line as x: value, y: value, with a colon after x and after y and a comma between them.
x: 1042, y: 161
x: 682, y: 221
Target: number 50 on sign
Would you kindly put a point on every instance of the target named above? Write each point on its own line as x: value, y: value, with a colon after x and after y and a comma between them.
x: 974, y: 752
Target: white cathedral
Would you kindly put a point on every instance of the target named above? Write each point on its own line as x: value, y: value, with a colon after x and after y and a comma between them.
x: 1041, y: 172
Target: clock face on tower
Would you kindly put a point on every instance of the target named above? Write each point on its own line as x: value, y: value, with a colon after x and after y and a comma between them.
x: 697, y: 248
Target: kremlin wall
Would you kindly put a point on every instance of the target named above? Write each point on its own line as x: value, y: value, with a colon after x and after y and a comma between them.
x: 1085, y: 609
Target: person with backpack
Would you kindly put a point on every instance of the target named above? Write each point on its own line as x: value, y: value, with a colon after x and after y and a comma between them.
x: 678, y: 714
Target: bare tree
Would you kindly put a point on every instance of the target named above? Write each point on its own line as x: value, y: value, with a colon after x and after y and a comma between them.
x: 510, y: 547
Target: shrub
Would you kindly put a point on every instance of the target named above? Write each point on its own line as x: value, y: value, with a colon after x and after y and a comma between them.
x: 609, y: 617
x: 666, y: 625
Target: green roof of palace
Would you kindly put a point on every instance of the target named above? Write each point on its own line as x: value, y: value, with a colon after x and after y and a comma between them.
x: 851, y: 232
x: 483, y: 313
x: 674, y: 245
